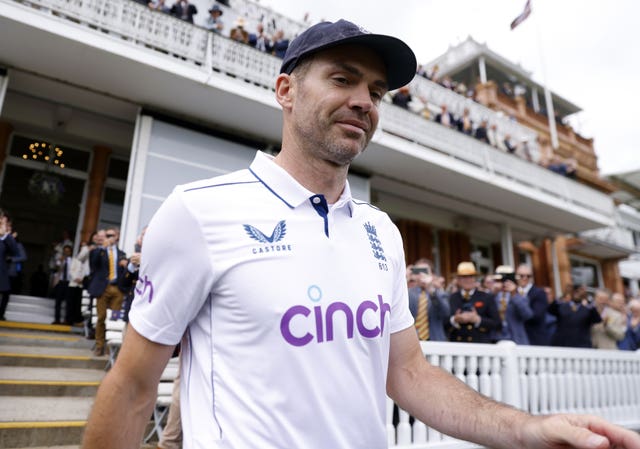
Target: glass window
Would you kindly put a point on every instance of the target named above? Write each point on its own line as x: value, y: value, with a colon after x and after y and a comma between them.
x: 118, y: 169
x: 48, y: 152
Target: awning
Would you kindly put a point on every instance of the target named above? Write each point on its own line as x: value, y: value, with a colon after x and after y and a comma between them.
x: 598, y: 249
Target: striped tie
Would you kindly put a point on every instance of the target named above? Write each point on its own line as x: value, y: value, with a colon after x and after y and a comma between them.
x: 422, y: 317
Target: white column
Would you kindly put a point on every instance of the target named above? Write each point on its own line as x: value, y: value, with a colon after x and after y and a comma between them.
x: 135, y: 178
x: 534, y: 99
x: 483, y: 70
x: 506, y: 242
x: 4, y: 82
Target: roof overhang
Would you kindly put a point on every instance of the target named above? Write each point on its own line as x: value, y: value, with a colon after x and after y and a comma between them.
x: 598, y: 249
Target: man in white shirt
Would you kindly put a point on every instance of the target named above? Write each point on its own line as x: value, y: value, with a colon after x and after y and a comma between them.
x: 291, y: 295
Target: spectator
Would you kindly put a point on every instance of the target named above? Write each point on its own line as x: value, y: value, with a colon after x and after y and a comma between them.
x: 16, y: 263
x: 402, y: 97
x: 73, y: 299
x: 96, y: 240
x: 238, y: 33
x: 428, y: 302
x: 433, y: 74
x: 8, y: 248
x: 492, y: 135
x: 184, y: 10
x: 127, y: 282
x: 631, y: 340
x: 612, y: 328
x: 61, y: 288
x: 107, y: 264
x: 513, y: 307
x: 575, y: 319
x: 538, y: 302
x: 214, y: 22
x: 160, y: 5
x: 481, y: 133
x: 444, y: 117
x: 279, y: 44
x: 572, y: 168
x: 447, y: 82
x: 525, y: 149
x: 260, y: 40
x: 474, y: 316
x: 508, y: 144
x: 465, y: 124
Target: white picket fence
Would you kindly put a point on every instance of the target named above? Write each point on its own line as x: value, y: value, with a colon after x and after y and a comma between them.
x: 538, y: 379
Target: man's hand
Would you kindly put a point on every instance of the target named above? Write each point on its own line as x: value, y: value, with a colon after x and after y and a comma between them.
x: 135, y: 259
x: 509, y: 286
x: 576, y: 431
x: 461, y: 317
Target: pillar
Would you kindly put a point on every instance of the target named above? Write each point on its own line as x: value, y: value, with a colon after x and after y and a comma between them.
x: 506, y: 245
x: 5, y: 132
x: 611, y: 275
x: 563, y: 265
x: 97, y: 178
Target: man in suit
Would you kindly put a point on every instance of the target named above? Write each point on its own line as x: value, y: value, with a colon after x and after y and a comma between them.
x: 8, y: 248
x: 428, y: 302
x: 513, y: 308
x: 575, y: 319
x: 535, y: 326
x: 474, y: 316
x: 107, y: 264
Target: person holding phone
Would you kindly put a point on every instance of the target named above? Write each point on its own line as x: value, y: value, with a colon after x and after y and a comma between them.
x: 474, y: 316
x: 513, y: 307
x: 428, y: 302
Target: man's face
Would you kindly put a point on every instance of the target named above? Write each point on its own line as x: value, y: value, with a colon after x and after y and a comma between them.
x: 334, y: 103
x: 601, y: 298
x: 99, y: 238
x: 111, y: 237
x: 523, y: 275
x: 467, y: 282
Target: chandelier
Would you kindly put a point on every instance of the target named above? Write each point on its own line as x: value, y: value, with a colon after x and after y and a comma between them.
x: 44, y: 184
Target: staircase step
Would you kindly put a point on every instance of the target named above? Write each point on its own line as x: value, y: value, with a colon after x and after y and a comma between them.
x: 36, y: 356
x: 29, y: 337
x: 37, y: 421
x: 28, y: 381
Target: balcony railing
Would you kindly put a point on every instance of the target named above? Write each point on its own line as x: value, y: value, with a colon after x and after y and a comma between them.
x: 440, y: 138
x: 537, y: 379
x: 161, y: 33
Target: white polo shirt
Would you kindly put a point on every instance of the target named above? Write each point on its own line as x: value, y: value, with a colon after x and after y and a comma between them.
x: 288, y: 305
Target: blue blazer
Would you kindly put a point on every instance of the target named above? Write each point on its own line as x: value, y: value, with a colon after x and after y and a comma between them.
x: 536, y: 326
x: 99, y: 270
x: 486, y: 308
x: 437, y: 310
x: 513, y: 326
x: 8, y: 248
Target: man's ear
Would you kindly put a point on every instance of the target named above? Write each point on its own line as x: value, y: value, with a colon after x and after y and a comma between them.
x: 285, y: 89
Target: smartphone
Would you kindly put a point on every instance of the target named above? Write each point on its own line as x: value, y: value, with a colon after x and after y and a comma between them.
x: 421, y: 270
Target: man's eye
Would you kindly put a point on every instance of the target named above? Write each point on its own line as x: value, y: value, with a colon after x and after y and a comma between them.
x: 341, y: 80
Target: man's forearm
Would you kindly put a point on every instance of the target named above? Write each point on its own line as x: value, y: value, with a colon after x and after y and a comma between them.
x: 445, y: 403
x: 119, y: 415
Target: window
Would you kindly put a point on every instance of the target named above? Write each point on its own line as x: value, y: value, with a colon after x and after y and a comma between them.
x: 48, y: 152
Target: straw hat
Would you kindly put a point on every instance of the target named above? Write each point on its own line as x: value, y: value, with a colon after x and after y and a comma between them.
x: 466, y: 269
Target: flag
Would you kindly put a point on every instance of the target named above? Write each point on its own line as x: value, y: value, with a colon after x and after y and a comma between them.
x: 523, y: 15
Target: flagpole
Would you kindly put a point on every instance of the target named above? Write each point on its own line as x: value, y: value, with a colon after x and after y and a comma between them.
x: 551, y: 116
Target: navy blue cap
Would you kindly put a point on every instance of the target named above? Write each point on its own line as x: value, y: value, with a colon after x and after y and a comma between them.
x: 398, y: 58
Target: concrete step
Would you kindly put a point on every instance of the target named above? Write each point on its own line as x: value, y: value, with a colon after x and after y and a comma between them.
x: 27, y: 381
x: 38, y: 421
x: 30, y: 337
x: 47, y: 357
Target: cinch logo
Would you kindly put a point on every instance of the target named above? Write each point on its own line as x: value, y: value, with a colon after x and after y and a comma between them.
x: 278, y: 234
x: 143, y: 287
x: 322, y: 321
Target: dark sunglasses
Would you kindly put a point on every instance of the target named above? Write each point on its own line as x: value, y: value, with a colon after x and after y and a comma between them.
x: 110, y: 235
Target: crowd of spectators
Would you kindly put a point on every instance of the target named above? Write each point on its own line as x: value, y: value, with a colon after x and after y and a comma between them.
x: 481, y: 130
x: 273, y: 42
x: 507, y: 305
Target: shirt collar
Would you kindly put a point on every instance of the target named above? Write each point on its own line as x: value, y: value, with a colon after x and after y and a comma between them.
x: 286, y: 188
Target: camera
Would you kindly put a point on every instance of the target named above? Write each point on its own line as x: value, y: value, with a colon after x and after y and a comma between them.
x: 505, y: 277
x: 424, y: 270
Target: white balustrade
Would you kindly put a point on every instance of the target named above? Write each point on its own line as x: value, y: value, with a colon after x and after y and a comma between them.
x: 546, y: 380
